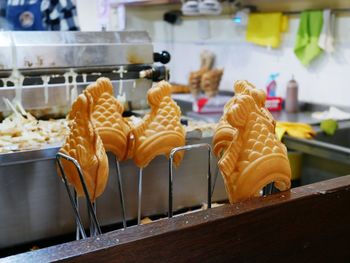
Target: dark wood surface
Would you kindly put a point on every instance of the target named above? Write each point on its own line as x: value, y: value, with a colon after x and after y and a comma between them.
x: 306, y: 224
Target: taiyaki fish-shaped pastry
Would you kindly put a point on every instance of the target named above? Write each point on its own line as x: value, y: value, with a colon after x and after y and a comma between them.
x: 161, y: 129
x: 85, y: 145
x: 224, y: 133
x: 210, y: 82
x: 195, y: 78
x: 194, y: 81
x: 178, y: 88
x: 107, y: 118
x: 250, y: 154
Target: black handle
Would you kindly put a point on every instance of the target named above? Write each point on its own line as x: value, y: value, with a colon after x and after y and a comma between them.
x: 160, y: 73
x: 163, y: 57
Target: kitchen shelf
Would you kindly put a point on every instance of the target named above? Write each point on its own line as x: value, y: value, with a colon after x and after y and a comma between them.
x: 296, y: 5
x: 145, y: 2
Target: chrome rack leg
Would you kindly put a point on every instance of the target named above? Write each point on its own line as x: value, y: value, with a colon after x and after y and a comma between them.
x: 209, y: 177
x: 121, y: 193
x: 171, y: 179
x: 93, y: 228
x: 86, y: 192
x: 267, y: 190
x: 216, y: 173
x: 71, y: 199
x: 171, y: 175
x: 77, y: 231
x: 139, y: 197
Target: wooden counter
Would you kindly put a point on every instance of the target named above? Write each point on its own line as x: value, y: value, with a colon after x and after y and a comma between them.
x: 307, y: 224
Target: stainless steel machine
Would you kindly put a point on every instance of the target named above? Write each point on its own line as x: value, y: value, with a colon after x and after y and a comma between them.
x: 50, y: 68
x: 46, y: 70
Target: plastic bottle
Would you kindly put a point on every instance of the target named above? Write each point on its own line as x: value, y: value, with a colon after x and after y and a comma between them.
x: 292, y: 96
x: 272, y: 85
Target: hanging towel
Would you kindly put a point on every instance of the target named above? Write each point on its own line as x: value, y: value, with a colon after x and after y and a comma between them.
x: 60, y: 15
x: 294, y: 129
x: 326, y: 40
x: 306, y: 47
x: 24, y: 15
x: 265, y: 28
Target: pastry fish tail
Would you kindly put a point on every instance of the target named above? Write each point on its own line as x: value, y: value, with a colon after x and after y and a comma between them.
x: 229, y: 158
x: 157, y: 93
x: 101, y: 86
x: 81, y: 105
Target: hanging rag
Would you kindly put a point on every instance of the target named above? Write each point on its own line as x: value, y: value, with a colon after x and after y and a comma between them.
x: 265, y: 28
x: 326, y: 40
x: 60, y: 15
x: 306, y: 46
x: 24, y: 15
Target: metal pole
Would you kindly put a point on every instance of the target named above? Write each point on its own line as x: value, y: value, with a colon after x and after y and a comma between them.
x: 86, y: 192
x: 121, y: 193
x: 267, y: 190
x: 171, y: 176
x: 77, y: 231
x: 75, y: 208
x: 209, y: 178
x: 139, y: 197
x: 93, y: 228
x: 216, y: 173
x: 170, y: 209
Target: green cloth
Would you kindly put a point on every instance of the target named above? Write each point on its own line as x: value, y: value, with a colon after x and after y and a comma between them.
x: 310, y: 27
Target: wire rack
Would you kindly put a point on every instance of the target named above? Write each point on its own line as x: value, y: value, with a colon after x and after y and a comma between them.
x: 94, y: 226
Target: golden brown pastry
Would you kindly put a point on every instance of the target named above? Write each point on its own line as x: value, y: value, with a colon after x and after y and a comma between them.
x: 177, y: 88
x: 195, y: 78
x: 85, y: 145
x: 161, y: 130
x: 195, y: 81
x: 107, y: 118
x: 210, y: 82
x: 251, y: 155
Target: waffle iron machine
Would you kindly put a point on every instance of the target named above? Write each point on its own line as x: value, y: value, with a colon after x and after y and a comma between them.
x: 45, y: 71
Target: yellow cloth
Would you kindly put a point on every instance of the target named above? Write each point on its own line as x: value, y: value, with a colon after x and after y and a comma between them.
x: 265, y: 28
x: 294, y: 129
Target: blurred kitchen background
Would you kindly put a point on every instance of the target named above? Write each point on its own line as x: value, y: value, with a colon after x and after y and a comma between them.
x: 324, y: 81
x: 270, y: 43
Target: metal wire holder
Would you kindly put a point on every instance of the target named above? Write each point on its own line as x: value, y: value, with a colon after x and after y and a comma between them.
x: 95, y: 228
x: 139, y: 199
x: 171, y: 175
x: 121, y: 192
x: 268, y: 189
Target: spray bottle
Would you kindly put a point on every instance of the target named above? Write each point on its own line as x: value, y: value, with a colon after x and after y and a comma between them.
x: 272, y: 85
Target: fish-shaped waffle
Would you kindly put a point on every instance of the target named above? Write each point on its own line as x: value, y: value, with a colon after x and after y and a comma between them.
x: 210, y: 82
x: 250, y: 154
x: 84, y: 145
x: 107, y: 118
x: 194, y: 81
x: 161, y: 129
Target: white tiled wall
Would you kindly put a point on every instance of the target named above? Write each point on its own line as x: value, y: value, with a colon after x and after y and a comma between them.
x: 327, y: 80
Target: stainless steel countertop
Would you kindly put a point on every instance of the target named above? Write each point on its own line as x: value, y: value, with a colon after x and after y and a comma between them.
x: 304, y: 117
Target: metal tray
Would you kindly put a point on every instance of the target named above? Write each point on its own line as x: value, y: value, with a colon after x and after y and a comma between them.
x: 35, y: 204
